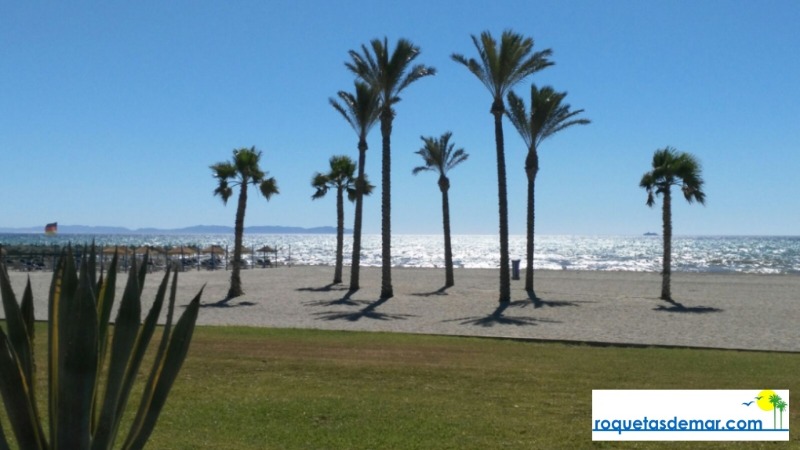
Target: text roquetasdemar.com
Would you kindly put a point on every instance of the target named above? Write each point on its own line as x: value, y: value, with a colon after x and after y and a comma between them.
x: 674, y: 424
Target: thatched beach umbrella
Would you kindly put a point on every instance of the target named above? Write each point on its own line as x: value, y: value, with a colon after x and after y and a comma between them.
x: 214, y: 250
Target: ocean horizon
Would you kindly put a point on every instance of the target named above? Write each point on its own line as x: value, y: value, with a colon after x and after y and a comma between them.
x: 717, y: 254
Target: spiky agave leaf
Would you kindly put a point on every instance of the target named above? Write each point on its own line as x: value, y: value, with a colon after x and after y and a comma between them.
x: 77, y: 360
x: 16, y: 396
x: 18, y: 326
x: 169, y: 359
x: 143, y: 340
x: 126, y: 330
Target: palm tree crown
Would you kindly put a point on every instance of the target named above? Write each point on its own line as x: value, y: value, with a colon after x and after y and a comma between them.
x: 500, y: 68
x: 386, y: 73
x: 439, y: 154
x: 243, y: 170
x: 547, y: 116
x: 361, y: 110
x: 340, y: 176
x: 671, y: 168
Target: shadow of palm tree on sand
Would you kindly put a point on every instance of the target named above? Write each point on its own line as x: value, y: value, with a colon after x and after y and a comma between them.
x: 367, y: 312
x: 441, y: 291
x: 680, y: 308
x: 226, y: 303
x: 499, y: 318
x: 344, y: 301
x: 326, y: 288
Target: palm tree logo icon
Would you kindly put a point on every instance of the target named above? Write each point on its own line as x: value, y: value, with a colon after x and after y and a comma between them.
x: 768, y: 400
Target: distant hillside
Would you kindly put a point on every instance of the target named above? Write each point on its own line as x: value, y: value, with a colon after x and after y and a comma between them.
x: 197, y: 229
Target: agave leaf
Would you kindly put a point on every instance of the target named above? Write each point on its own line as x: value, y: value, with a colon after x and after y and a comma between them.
x: 77, y: 362
x: 18, y: 333
x: 165, y: 370
x: 62, y: 292
x: 16, y: 397
x: 126, y: 330
x: 3, y: 439
x: 54, y: 300
x: 145, y: 334
x: 105, y: 302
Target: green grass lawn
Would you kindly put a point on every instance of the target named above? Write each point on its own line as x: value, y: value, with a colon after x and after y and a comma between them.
x: 254, y: 388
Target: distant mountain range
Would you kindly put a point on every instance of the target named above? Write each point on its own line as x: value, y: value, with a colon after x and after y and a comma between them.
x: 197, y: 229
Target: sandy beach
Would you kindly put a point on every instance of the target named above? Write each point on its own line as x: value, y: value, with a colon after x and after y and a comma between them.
x: 731, y: 311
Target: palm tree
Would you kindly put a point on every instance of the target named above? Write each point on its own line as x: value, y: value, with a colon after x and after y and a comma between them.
x: 499, y: 68
x: 341, y: 178
x: 440, y: 157
x: 671, y: 168
x: 781, y: 405
x: 547, y: 117
x: 242, y: 171
x: 774, y: 399
x: 361, y: 111
x: 388, y: 74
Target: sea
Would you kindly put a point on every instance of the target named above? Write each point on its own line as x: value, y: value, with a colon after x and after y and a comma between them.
x: 718, y: 254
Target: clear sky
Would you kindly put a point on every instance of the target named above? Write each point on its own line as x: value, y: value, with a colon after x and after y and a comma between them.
x: 111, y: 112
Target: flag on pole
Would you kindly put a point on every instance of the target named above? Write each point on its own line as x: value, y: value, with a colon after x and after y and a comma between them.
x: 51, y: 228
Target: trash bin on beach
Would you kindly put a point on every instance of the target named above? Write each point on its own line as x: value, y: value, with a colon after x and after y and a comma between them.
x: 515, y: 269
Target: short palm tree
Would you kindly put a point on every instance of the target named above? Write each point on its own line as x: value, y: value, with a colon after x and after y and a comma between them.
x: 547, y: 117
x: 499, y: 68
x: 361, y: 111
x: 439, y: 156
x: 671, y: 168
x: 340, y: 177
x: 242, y: 171
x: 388, y: 74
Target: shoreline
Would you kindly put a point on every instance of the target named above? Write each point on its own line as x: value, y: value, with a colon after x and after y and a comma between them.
x: 712, y: 310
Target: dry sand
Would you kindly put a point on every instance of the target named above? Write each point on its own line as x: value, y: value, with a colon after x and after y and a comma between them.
x: 733, y: 311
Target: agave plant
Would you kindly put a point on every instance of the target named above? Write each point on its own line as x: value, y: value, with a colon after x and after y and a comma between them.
x: 87, y: 395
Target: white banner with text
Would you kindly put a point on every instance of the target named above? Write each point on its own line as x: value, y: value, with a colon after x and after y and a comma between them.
x: 690, y: 415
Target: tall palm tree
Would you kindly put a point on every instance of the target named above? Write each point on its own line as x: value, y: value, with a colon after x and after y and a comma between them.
x: 547, y: 117
x: 387, y: 73
x: 499, y: 68
x: 781, y: 405
x: 340, y: 177
x: 439, y: 156
x: 242, y: 171
x: 361, y: 111
x: 671, y: 168
x: 775, y: 399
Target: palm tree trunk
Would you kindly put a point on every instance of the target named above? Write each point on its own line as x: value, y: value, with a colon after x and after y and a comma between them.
x: 505, y: 276
x: 667, y: 269
x: 386, y: 206
x: 356, y: 260
x: 236, y: 280
x: 531, y: 168
x: 337, y: 273
x: 444, y: 186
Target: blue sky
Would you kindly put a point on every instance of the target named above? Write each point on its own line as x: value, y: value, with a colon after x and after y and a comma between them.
x: 113, y: 111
